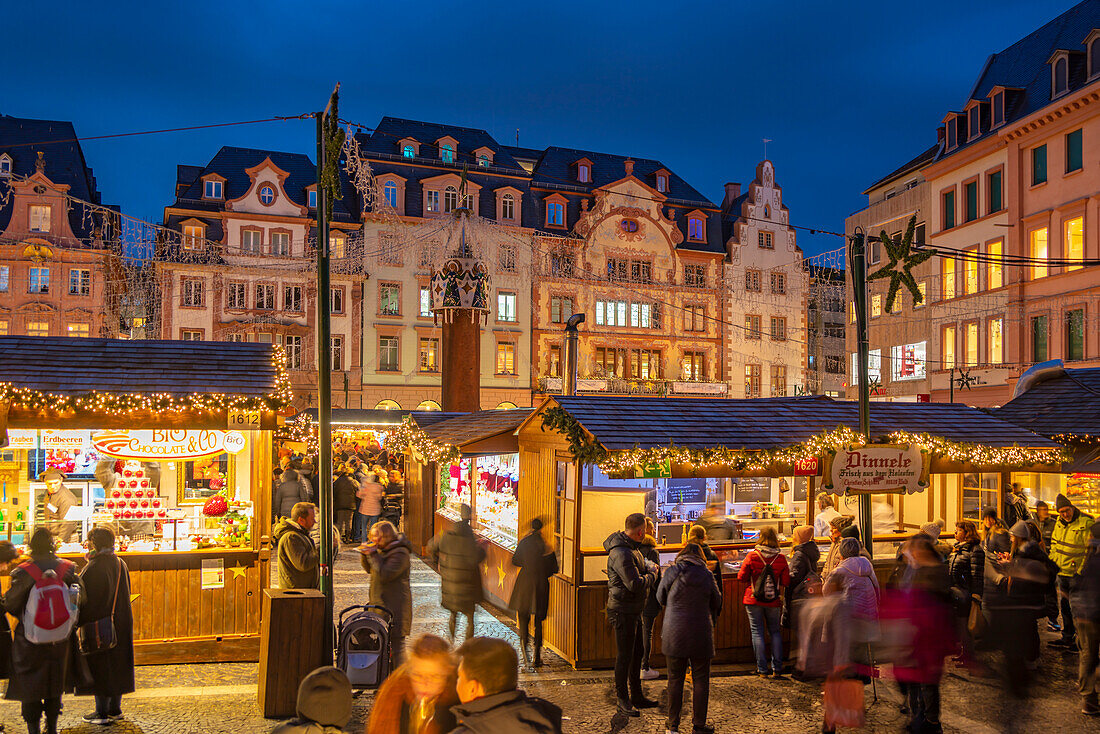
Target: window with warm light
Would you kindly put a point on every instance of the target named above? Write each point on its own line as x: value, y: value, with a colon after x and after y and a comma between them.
x: 970, y: 344
x: 995, y: 273
x: 1074, y: 248
x: 693, y: 367
x: 752, y: 381
x: 337, y: 245
x: 923, y: 288
x: 970, y: 271
x: 425, y: 302
x: 40, y: 218
x: 876, y: 305
x: 193, y: 236
x: 554, y: 362
x: 947, y: 278
x: 996, y: 341
x: 79, y: 329
x: 645, y: 364
x: 752, y: 326
x: 429, y: 349
x: 506, y: 358
x: 38, y: 328
x: 779, y: 380
x: 1039, y: 253
x: 5, y: 327
x: 947, y: 348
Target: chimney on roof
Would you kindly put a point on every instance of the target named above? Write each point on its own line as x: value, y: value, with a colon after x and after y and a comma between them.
x: 629, y: 165
x: 733, y: 190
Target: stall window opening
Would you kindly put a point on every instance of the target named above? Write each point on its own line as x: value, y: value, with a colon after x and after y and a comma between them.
x: 979, y: 492
x: 565, y: 480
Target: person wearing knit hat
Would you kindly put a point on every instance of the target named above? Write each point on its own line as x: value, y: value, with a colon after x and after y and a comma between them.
x: 324, y: 704
x: 849, y: 547
x: 805, y: 583
x: 1068, y: 545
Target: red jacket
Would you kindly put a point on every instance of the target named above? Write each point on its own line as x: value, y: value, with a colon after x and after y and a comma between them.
x: 753, y: 566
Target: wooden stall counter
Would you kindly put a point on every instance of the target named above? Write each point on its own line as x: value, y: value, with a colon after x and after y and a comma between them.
x: 195, y: 606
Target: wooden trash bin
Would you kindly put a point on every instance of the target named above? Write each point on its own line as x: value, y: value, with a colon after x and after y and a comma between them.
x: 291, y: 646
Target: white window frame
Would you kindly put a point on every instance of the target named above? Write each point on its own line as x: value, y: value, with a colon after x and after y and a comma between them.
x: 506, y: 306
x: 212, y: 189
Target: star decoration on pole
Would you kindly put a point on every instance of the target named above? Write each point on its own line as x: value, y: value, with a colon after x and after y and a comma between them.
x: 876, y: 386
x: 903, y: 258
x: 965, y: 380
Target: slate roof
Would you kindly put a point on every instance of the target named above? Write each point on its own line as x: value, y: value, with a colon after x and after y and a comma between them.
x: 1066, y: 403
x: 231, y: 163
x: 621, y: 422
x: 467, y: 428
x: 390, y: 130
x: 75, y: 366
x: 920, y: 161
x: 64, y: 160
x: 1023, y: 65
x: 555, y: 168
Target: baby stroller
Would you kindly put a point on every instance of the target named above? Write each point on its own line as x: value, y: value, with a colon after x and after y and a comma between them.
x: 391, y: 509
x: 363, y: 644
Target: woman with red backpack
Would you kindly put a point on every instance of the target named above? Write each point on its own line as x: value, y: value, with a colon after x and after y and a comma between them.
x: 41, y: 598
x: 765, y: 573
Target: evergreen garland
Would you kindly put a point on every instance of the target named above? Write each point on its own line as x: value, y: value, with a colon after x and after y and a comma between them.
x: 903, y: 258
x: 333, y: 141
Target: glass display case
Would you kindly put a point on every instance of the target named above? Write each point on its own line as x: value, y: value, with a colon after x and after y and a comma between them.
x: 454, y: 488
x: 496, y: 504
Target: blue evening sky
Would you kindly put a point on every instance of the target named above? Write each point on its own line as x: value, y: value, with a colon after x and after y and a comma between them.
x: 846, y: 90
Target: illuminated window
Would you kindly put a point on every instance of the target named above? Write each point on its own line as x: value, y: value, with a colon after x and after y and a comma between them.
x: 947, y: 348
x: 695, y: 229
x: 408, y: 151
x: 40, y: 218
x: 4, y: 327
x: 554, y: 362
x: 79, y: 329
x: 506, y: 358
x: 970, y: 271
x: 1074, y: 241
x: 876, y: 306
x: 995, y: 276
x: 193, y: 235
x: 1039, y: 253
x: 483, y: 161
x: 38, y: 328
x: 907, y: 361
x: 506, y: 306
x: 779, y: 380
x: 425, y: 301
x: 752, y: 381
x: 645, y: 364
x: 996, y: 341
x: 447, y: 153
x: 429, y: 349
x: 970, y: 344
x: 947, y: 277
x: 433, y: 201
x: 337, y: 245
x: 752, y: 326
x: 555, y: 214
x: 693, y: 367
x: 923, y: 288
x: 561, y: 308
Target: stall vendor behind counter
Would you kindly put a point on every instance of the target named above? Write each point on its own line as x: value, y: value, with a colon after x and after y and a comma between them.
x: 57, y: 503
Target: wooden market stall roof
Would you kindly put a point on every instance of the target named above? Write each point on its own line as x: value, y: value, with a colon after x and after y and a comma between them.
x: 623, y: 422
x: 358, y: 416
x: 1057, y: 402
x: 484, y: 431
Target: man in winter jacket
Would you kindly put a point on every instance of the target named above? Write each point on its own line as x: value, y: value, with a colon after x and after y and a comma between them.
x: 345, y: 501
x: 1016, y: 505
x: 629, y: 577
x: 1068, y: 544
x: 290, y: 492
x: 1085, y: 601
x: 458, y: 556
x: 298, y: 559
x: 488, y: 680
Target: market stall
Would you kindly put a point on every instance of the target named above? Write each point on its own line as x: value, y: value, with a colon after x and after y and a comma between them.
x: 589, y: 461
x: 167, y: 443
x: 470, y: 459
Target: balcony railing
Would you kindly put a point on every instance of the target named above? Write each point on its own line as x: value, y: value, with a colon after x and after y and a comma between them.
x: 622, y: 386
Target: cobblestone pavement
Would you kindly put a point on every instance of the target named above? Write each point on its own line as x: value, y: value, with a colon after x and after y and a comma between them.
x: 199, y: 699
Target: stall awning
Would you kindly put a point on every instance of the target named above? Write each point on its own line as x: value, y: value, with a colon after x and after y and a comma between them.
x: 475, y: 432
x: 623, y: 422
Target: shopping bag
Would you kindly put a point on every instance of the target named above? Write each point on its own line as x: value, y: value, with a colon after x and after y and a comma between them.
x: 975, y: 623
x: 843, y: 702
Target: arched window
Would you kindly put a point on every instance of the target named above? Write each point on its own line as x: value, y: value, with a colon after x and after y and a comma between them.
x: 767, y: 212
x: 483, y: 160
x: 391, y: 193
x: 468, y: 202
x: 1061, y: 75
x: 387, y: 405
x: 447, y: 153
x: 1094, y: 57
x: 450, y: 199
x: 408, y: 151
x: 507, y: 405
x: 429, y: 405
x: 508, y: 207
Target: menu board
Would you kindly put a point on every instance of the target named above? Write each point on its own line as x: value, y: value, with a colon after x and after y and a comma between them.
x: 752, y: 489
x: 686, y: 491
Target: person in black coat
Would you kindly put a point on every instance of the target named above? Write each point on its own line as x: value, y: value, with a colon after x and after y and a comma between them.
x: 966, y: 567
x: 107, y: 587
x: 692, y: 602
x: 804, y: 577
x: 652, y: 607
x: 531, y: 593
x: 8, y: 561
x: 39, y: 672
x: 345, y: 501
x: 459, y: 556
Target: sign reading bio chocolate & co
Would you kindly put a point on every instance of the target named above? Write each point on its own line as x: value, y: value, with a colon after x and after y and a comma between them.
x: 877, y: 469
x: 167, y: 445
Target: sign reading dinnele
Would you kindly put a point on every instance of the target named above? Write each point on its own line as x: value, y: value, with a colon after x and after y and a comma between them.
x: 878, y: 469
x: 167, y: 445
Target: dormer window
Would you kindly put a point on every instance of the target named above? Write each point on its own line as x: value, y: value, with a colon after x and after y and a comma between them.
x: 697, y: 226
x: 998, y: 108
x: 311, y: 198
x: 483, y: 156
x: 584, y: 173
x: 267, y: 195
x: 447, y: 154
x: 555, y: 211
x: 974, y: 124
x: 1094, y: 54
x: 662, y: 183
x: 483, y: 161
x: 212, y: 189
x: 409, y: 147
x: 952, y: 132
x: 5, y: 165
x: 1061, y: 75
x: 408, y: 151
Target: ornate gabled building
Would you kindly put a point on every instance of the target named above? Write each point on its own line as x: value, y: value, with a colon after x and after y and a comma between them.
x: 59, y: 246
x: 639, y: 251
x: 765, y: 346
x: 239, y: 264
